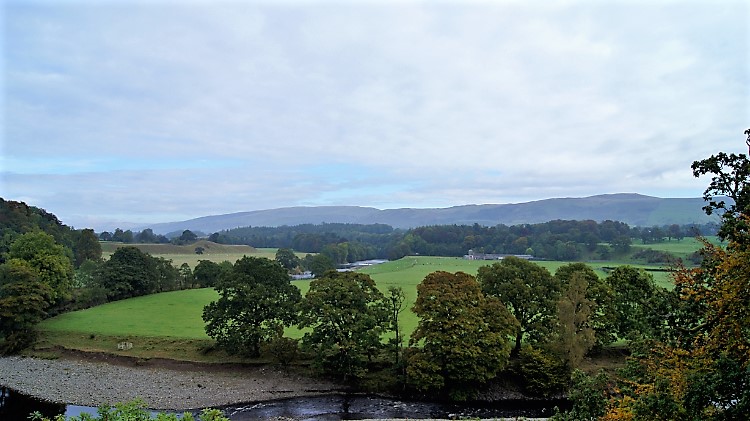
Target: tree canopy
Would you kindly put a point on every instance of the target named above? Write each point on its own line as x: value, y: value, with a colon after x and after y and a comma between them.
x: 256, y: 301
x: 464, y: 336
x: 346, y: 315
x: 528, y: 290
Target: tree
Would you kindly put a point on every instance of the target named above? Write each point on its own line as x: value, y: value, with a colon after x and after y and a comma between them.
x: 287, y: 259
x: 87, y: 247
x: 634, y: 296
x: 575, y: 313
x: 528, y: 290
x: 464, y: 336
x: 731, y: 173
x: 207, y: 273
x: 256, y: 301
x: 700, y: 368
x: 129, y: 272
x: 24, y: 300
x: 396, y: 303
x: 187, y: 237
x: 50, y: 261
x: 599, y: 297
x: 346, y: 315
x: 319, y: 264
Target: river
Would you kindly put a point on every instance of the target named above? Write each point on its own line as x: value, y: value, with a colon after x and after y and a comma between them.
x: 16, y: 406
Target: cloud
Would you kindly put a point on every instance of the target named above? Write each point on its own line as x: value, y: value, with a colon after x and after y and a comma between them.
x: 143, y: 111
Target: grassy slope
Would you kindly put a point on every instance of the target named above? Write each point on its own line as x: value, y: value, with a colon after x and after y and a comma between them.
x: 175, y: 317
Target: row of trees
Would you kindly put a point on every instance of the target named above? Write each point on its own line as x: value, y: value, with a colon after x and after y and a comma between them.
x: 470, y: 328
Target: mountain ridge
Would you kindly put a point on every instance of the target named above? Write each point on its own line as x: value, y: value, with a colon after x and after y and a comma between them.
x: 631, y: 208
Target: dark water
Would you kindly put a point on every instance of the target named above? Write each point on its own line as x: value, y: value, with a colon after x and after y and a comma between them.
x: 15, y: 406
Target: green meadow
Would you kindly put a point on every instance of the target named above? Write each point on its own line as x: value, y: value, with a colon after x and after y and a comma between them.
x: 170, y: 323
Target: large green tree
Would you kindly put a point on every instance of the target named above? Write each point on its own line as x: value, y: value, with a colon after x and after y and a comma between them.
x: 287, y: 258
x: 86, y: 247
x: 129, y: 272
x: 463, y: 337
x: 24, y: 300
x: 346, y: 315
x: 599, y: 296
x: 256, y: 301
x: 730, y: 174
x: 528, y: 290
x: 635, y: 302
x: 51, y: 261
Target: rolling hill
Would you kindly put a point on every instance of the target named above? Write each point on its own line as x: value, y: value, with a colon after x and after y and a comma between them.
x: 633, y: 209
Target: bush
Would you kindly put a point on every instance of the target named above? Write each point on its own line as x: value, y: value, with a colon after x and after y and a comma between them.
x: 542, y: 373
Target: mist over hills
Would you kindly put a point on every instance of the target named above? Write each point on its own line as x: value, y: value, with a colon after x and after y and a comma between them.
x: 632, y: 209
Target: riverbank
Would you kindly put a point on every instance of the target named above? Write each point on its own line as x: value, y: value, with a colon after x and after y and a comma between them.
x: 163, y: 385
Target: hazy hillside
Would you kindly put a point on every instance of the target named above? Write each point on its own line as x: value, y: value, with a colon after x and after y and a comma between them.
x: 633, y: 209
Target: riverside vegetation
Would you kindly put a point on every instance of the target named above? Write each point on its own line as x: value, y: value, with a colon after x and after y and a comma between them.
x: 513, y: 321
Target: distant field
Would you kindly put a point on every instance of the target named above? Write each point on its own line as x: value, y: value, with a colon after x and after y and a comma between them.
x: 681, y: 249
x: 186, y: 254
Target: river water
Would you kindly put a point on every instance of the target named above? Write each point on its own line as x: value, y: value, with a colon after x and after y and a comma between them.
x: 16, y: 406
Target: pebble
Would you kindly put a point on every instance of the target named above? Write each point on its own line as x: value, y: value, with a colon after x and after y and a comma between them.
x: 87, y: 383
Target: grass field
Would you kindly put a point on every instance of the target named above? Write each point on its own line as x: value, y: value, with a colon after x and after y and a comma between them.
x: 186, y: 254
x: 170, y: 324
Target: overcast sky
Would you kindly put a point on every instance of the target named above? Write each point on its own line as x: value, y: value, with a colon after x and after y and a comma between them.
x: 144, y: 112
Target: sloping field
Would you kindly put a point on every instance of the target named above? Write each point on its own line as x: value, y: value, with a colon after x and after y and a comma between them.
x: 177, y: 314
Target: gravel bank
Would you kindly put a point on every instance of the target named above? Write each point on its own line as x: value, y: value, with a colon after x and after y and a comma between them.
x: 91, y: 383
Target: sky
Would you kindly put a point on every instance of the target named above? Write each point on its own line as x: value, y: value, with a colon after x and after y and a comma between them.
x: 125, y: 113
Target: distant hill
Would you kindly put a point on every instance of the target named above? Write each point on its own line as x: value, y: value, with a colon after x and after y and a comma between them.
x: 633, y: 209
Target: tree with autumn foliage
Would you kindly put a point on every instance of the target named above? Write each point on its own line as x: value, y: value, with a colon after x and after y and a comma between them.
x: 462, y: 339
x: 699, y: 367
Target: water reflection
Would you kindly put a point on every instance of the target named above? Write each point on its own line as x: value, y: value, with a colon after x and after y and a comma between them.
x: 16, y: 406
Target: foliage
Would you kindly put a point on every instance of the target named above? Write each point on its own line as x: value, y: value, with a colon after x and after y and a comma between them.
x: 575, y: 335
x: 86, y: 247
x: 589, y: 397
x: 346, y: 314
x: 635, y: 299
x: 287, y: 259
x: 134, y: 411
x: 129, y: 273
x: 528, y: 290
x: 542, y: 372
x: 51, y: 261
x: 700, y: 368
x: 207, y: 273
x: 731, y: 173
x: 598, y: 298
x: 256, y: 301
x: 318, y: 264
x: 464, y: 336
x: 24, y: 300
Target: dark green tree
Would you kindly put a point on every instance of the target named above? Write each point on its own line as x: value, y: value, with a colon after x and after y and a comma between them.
x: 319, y: 264
x: 87, y: 247
x: 207, y: 273
x: 634, y: 299
x: 731, y: 173
x: 528, y: 290
x: 256, y: 301
x: 24, y: 300
x: 462, y: 339
x: 129, y: 272
x: 287, y: 259
x: 346, y: 315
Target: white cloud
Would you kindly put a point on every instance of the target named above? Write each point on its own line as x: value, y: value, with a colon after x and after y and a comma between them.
x: 426, y: 103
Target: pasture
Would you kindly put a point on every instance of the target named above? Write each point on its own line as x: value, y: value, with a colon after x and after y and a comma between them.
x: 214, y: 252
x: 170, y: 323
